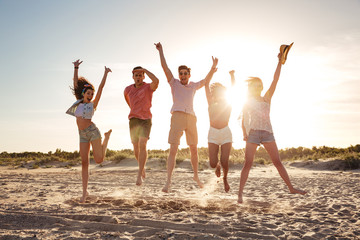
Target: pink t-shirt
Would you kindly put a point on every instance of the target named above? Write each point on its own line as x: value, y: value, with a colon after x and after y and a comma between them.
x: 183, y: 95
x: 139, y: 100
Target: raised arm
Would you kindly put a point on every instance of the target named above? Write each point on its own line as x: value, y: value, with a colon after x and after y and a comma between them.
x: 271, y: 90
x: 154, y: 80
x: 101, y: 86
x: 208, y: 79
x: 164, y: 65
x: 232, y: 76
x: 76, y: 69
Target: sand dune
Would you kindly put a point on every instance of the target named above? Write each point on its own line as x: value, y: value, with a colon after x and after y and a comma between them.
x: 44, y: 204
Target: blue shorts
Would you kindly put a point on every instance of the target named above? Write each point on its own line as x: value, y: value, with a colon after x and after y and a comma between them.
x: 260, y: 136
x: 89, y: 134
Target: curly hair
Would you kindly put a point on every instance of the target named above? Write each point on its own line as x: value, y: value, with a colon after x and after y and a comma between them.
x: 217, y: 88
x: 82, y: 86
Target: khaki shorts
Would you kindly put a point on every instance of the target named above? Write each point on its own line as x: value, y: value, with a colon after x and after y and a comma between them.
x: 139, y: 128
x: 181, y: 122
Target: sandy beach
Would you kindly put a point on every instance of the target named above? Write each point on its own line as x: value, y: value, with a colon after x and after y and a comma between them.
x: 44, y: 204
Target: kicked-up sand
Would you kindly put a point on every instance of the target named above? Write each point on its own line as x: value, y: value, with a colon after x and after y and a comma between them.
x: 44, y: 204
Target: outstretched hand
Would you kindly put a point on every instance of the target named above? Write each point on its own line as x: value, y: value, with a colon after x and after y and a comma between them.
x: 77, y: 63
x: 158, y: 46
x: 215, y: 62
x: 107, y: 70
x: 232, y: 72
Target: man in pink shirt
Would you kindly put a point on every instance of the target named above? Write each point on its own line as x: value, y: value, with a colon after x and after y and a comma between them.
x: 183, y: 116
x: 138, y: 96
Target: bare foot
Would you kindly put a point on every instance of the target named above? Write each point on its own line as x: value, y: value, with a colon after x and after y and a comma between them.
x: 166, y: 188
x: 107, y: 134
x: 83, y: 198
x: 199, y: 183
x: 297, y: 191
x: 218, y: 170
x: 226, y: 185
x: 139, y: 180
x: 240, y: 199
x: 143, y: 175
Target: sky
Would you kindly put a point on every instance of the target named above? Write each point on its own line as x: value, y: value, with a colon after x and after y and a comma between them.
x: 316, y: 102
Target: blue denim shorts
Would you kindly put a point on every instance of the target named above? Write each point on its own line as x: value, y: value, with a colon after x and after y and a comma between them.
x: 89, y: 134
x: 260, y: 136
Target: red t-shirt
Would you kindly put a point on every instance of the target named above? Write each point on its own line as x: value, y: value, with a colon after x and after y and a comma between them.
x: 139, y: 100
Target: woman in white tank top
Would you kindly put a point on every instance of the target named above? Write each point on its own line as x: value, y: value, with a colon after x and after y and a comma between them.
x: 257, y: 129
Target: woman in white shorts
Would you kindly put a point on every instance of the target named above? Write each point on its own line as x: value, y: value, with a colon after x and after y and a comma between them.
x: 257, y: 127
x: 220, y: 136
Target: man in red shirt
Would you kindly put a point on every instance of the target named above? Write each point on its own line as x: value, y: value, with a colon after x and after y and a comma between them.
x: 138, y: 96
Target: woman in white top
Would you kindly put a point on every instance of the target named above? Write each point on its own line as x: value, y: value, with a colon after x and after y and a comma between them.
x: 257, y: 130
x: 219, y: 136
x: 83, y: 110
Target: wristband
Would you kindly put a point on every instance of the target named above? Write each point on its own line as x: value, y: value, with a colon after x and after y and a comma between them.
x: 76, y: 67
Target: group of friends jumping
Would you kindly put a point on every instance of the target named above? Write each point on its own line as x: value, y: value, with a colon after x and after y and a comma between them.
x: 255, y: 121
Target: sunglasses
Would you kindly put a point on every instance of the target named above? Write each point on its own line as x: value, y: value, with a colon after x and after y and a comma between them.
x: 183, y: 73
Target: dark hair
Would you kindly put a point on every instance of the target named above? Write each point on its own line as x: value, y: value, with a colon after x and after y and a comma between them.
x: 184, y: 67
x: 82, y: 86
x: 136, y: 68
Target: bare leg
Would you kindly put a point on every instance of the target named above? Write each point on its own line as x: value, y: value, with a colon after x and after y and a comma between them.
x: 224, y: 159
x: 273, y: 151
x: 213, y: 158
x: 250, y: 150
x: 142, y: 160
x: 136, y: 153
x: 195, y: 164
x: 99, y: 150
x: 170, y: 166
x: 84, y: 154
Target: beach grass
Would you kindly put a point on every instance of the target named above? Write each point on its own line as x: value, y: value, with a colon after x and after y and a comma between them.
x: 60, y: 158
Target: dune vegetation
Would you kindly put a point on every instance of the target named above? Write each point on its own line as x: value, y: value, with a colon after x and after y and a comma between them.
x: 60, y: 158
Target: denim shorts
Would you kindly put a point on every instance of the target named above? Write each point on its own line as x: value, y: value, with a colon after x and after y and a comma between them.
x: 89, y: 134
x: 260, y: 136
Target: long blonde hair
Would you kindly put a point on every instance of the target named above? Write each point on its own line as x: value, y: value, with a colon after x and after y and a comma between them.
x: 251, y: 81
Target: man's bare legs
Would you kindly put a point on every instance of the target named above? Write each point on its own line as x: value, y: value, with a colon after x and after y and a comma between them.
x: 170, y: 166
x: 84, y: 154
x: 195, y: 164
x: 250, y: 150
x: 273, y: 151
x: 224, y: 159
x: 141, y: 157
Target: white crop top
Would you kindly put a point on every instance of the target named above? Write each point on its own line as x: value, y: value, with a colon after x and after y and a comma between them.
x: 79, y: 109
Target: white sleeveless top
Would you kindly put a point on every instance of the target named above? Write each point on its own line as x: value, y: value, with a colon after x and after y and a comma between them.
x: 79, y: 109
x: 256, y: 115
